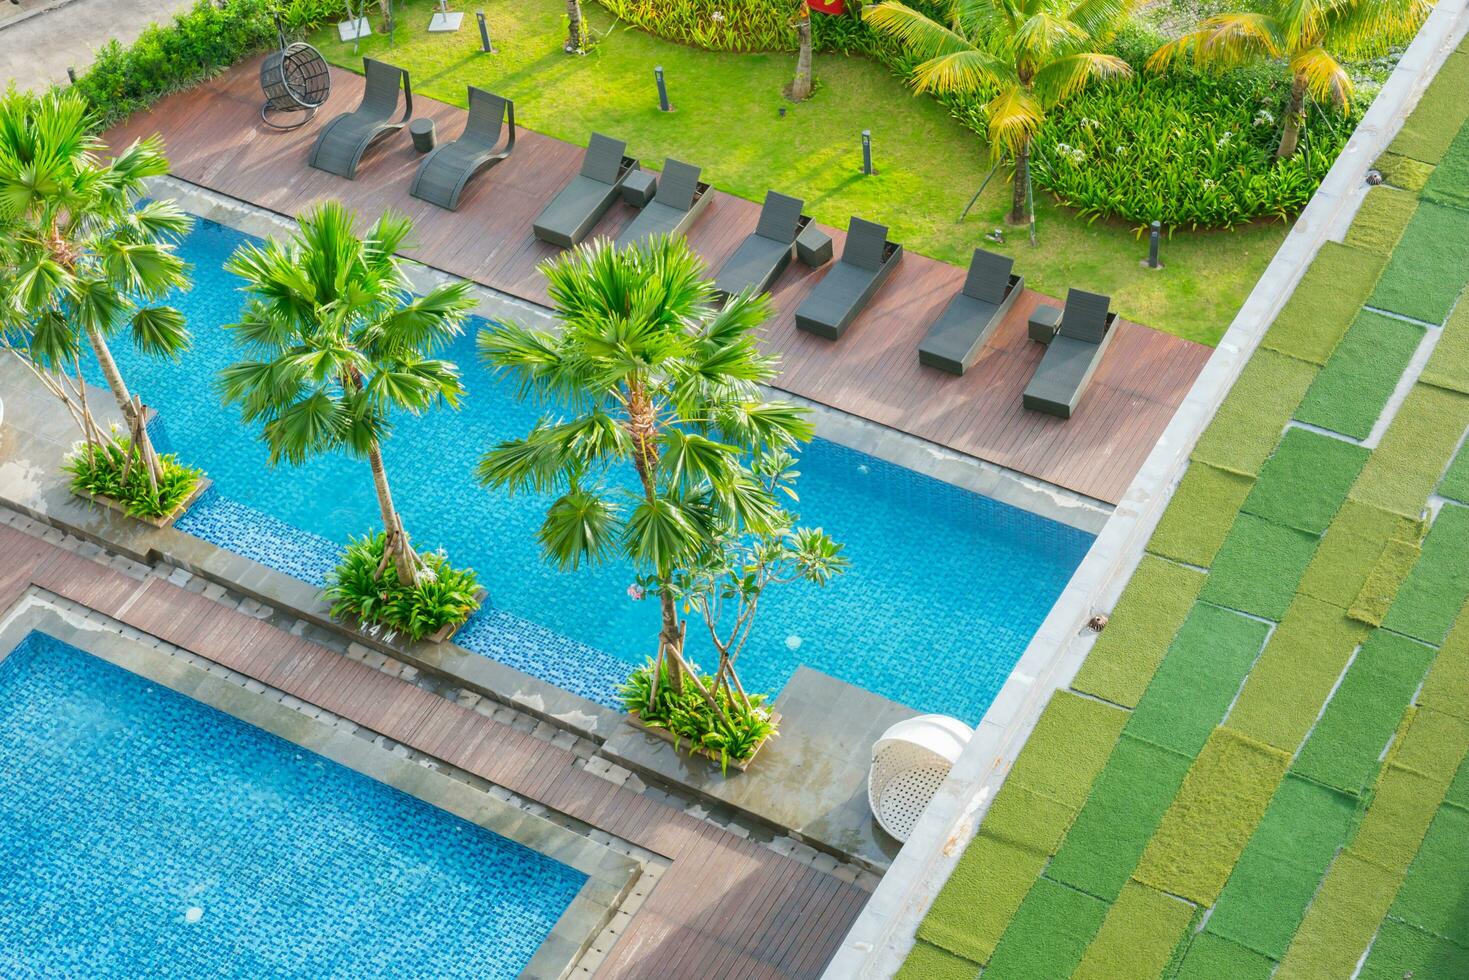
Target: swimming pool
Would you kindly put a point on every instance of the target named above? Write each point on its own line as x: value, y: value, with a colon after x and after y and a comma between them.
x: 945, y: 590
x: 143, y: 833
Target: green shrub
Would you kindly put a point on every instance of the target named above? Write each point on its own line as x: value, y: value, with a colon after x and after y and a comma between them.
x: 718, y: 25
x: 367, y: 589
x: 688, y: 717
x: 99, y: 470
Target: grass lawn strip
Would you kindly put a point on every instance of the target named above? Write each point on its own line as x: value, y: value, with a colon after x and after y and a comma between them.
x: 1403, y: 951
x: 1455, y: 483
x: 1142, y: 625
x: 1110, y: 832
x: 1246, y: 429
x: 1325, y: 302
x: 1434, y: 591
x: 1295, y: 673
x: 1215, y: 812
x: 1426, y: 272
x: 1449, y: 184
x: 1344, y: 748
x: 1351, y: 548
x: 1432, y: 896
x: 1387, y: 575
x: 1442, y: 111
x: 1448, y: 365
x: 1278, y: 873
x: 1379, y: 222
x: 1200, y: 514
x: 1341, y: 920
x: 1304, y: 482
x: 1407, y: 464
x: 1458, y: 794
x: 1258, y: 568
x: 1212, y: 957
x: 1193, y: 689
x: 1070, y: 745
x: 1048, y: 935
x: 1350, y: 392
x: 929, y: 962
x: 1434, y: 744
x: 1138, y: 936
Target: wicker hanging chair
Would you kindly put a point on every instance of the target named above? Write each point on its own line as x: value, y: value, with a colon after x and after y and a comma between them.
x: 295, y: 79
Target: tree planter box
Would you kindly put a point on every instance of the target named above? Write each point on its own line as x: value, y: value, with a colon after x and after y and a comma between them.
x: 684, y: 746
x: 444, y: 633
x: 166, y: 520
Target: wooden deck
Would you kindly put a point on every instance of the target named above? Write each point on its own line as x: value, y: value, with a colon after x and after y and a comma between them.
x: 725, y: 907
x: 215, y: 139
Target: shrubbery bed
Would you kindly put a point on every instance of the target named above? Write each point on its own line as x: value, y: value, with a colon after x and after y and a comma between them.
x: 103, y: 471
x: 365, y: 588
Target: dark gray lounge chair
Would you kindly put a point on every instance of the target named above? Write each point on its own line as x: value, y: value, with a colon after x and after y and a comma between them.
x: 765, y: 253
x: 1062, y: 376
x: 680, y: 198
x: 868, y: 258
x: 446, y: 170
x: 340, y: 146
x: 956, y: 337
x: 577, y: 208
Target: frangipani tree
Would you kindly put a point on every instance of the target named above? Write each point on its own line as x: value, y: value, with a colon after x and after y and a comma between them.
x: 339, y: 343
x: 83, y: 260
x: 1024, y: 56
x: 1308, y: 37
x: 647, y: 374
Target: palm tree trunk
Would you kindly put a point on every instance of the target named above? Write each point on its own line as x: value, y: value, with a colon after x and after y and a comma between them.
x: 397, y: 548
x: 573, y: 27
x: 1017, y: 215
x: 801, y: 87
x: 1295, y: 117
x: 132, y: 413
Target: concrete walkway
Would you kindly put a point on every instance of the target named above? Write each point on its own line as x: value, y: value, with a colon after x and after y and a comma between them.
x: 35, y: 49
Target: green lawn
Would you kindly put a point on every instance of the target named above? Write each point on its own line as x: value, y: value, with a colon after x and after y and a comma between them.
x: 727, y: 120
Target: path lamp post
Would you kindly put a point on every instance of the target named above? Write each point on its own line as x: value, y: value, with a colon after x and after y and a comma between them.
x: 663, y: 104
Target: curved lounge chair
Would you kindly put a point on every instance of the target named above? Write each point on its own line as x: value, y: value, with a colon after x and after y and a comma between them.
x: 442, y: 176
x: 767, y: 251
x: 681, y: 196
x: 342, y: 142
x: 1065, y: 370
x: 956, y: 337
x: 868, y: 258
x: 578, y: 206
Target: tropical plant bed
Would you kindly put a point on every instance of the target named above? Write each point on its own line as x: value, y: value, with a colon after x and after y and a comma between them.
x: 365, y: 594
x: 97, y: 475
x: 658, y: 730
x: 160, y: 522
x: 686, y: 720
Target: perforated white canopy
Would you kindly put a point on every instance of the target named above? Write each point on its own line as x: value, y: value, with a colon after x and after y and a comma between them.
x: 909, y: 763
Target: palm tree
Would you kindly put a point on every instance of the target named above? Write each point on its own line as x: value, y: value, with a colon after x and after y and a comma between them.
x: 1308, y: 36
x: 644, y: 371
x: 82, y: 259
x: 1024, y: 56
x: 801, y: 86
x: 574, y: 38
x: 339, y: 343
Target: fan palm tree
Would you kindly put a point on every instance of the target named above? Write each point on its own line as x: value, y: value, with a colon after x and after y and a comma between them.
x: 1308, y: 36
x: 1024, y: 56
x: 644, y: 374
x: 82, y: 259
x: 339, y: 343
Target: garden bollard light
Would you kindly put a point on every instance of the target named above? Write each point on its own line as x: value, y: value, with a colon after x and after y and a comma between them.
x: 71, y: 73
x: 1155, y: 235
x: 484, y: 34
x: 663, y: 105
x: 867, y: 153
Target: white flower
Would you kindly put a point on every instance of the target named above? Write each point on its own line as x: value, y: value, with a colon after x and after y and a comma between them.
x: 717, y: 17
x: 1223, y: 141
x: 1119, y: 150
x: 1264, y: 118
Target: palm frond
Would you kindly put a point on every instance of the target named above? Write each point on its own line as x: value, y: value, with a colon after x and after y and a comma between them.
x: 1065, y: 77
x: 1326, y: 79
x: 1226, y: 41
x: 1014, y: 116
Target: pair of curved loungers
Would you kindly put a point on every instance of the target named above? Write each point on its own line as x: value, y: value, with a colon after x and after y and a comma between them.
x: 444, y: 173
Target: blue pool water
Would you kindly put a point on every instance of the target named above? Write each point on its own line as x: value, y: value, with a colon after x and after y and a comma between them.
x: 945, y: 590
x: 144, y: 834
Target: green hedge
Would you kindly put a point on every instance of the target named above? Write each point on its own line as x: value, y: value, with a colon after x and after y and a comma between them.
x: 199, y: 43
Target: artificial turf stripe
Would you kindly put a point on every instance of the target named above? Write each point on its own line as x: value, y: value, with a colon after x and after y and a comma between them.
x: 1325, y: 302
x: 1426, y: 272
x: 1049, y: 934
x: 1138, y: 936
x: 929, y: 962
x: 1458, y: 794
x: 1303, y: 483
x: 1212, y: 957
x: 1281, y: 867
x: 1216, y: 810
x: 1435, y: 590
x: 1448, y: 365
x: 1350, y: 548
x: 1402, y: 951
x: 1259, y: 566
x: 1295, y: 673
x: 1247, y: 426
x: 1455, y: 483
x: 1198, y: 680
x: 1403, y: 805
x: 1113, y: 827
x: 1433, y: 894
x: 1449, y: 184
x: 1385, y: 577
x: 1379, y: 222
x: 1344, y: 748
x: 1403, y: 171
x: 1200, y: 514
x: 1439, y: 115
x: 1408, y: 462
x: 980, y: 897
x: 1350, y: 392
x: 1341, y: 920
x: 1447, y: 687
x: 1069, y: 746
x: 1027, y: 819
x: 1122, y: 661
x: 1433, y: 744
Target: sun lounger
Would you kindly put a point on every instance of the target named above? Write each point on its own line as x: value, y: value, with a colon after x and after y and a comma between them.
x: 956, y: 337
x: 1062, y: 376
x: 680, y: 198
x: 446, y: 170
x: 868, y: 258
x: 342, y: 142
x: 765, y: 253
x: 577, y: 207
